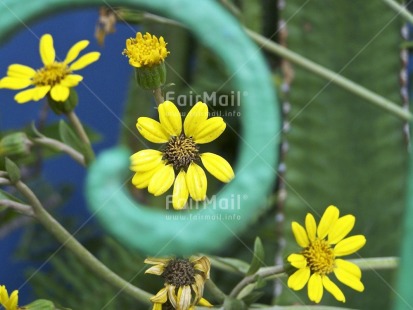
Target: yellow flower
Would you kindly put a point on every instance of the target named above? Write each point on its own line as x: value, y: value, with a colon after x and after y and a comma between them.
x: 322, y: 245
x: 184, y: 282
x: 8, y: 302
x: 178, y: 162
x: 54, y: 77
x: 145, y: 50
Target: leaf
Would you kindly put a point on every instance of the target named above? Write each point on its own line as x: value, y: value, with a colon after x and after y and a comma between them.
x: 247, y: 290
x: 69, y: 137
x: 230, y: 264
x: 258, y: 258
x: 40, y: 304
x: 234, y: 304
x: 13, y: 170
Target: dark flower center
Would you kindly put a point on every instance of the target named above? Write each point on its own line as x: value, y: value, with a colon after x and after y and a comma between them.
x: 181, y: 151
x: 179, y: 272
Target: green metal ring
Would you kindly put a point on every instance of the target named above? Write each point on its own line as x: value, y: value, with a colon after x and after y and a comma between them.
x: 149, y: 230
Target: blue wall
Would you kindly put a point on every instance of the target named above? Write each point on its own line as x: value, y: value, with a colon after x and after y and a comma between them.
x: 101, y: 100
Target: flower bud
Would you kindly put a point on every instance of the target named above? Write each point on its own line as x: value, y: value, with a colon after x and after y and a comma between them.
x: 151, y: 77
x: 63, y: 107
x: 15, y: 144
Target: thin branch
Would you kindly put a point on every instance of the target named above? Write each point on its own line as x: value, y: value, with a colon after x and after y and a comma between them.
x: 59, y: 146
x: 19, y: 207
x: 84, y: 256
x: 262, y: 273
x: 215, y: 291
x: 400, y: 9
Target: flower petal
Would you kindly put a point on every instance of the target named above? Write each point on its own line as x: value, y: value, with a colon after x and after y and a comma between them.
x: 14, y: 298
x: 217, y: 166
x: 170, y: 118
x: 156, y: 270
x: 142, y: 179
x: 315, y: 288
x: 60, y: 93
x: 209, y: 130
x: 300, y: 235
x: 341, y: 228
x: 84, y: 61
x: 75, y: 50
x: 297, y: 260
x: 348, y: 267
x: 349, y: 245
x: 161, y: 297
x: 145, y: 160
x: 349, y: 279
x: 180, y: 192
x: 197, y: 182
x: 71, y: 80
x: 205, y: 303
x: 184, y: 297
x: 328, y: 219
x: 14, y: 83
x: 46, y: 49
x: 299, y: 279
x: 162, y: 180
x: 310, y: 226
x: 151, y: 130
x: 197, y: 115
x: 171, y: 295
x: 20, y: 71
x: 35, y: 94
x: 333, y: 289
x: 202, y: 264
x: 157, y: 260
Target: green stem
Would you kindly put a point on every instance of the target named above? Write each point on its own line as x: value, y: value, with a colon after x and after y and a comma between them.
x: 157, y: 93
x: 77, y: 125
x: 78, y: 249
x: 19, y: 207
x: 319, y: 70
x: 332, y: 76
x: 400, y: 9
x: 215, y: 291
x: 59, y: 146
x: 262, y: 273
x: 376, y: 263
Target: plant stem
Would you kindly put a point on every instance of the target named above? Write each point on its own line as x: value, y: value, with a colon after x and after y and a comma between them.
x: 61, y: 234
x: 82, y: 134
x: 262, y: 273
x: 400, y: 9
x: 376, y: 263
x: 215, y: 291
x: 19, y: 207
x: 59, y: 146
x: 317, y: 69
x: 157, y: 93
x: 330, y: 75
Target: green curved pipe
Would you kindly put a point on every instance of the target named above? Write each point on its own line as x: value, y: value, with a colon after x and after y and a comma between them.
x: 144, y: 228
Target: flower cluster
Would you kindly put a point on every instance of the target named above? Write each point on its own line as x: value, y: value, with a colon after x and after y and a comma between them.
x: 145, y: 50
x: 177, y: 163
x: 322, y: 245
x: 184, y: 282
x: 54, y: 78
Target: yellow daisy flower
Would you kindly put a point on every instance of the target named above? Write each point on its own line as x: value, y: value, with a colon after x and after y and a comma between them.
x: 54, y: 78
x: 178, y: 162
x: 8, y: 302
x: 322, y: 246
x: 184, y: 282
x: 145, y: 50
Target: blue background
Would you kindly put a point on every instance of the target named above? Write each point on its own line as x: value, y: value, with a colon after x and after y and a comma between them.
x: 101, y: 100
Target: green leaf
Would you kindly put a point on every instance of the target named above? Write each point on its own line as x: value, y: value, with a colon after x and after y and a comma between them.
x: 258, y: 258
x: 247, y: 290
x: 253, y: 297
x: 69, y: 137
x: 41, y: 304
x: 229, y: 264
x: 234, y: 304
x: 13, y: 170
